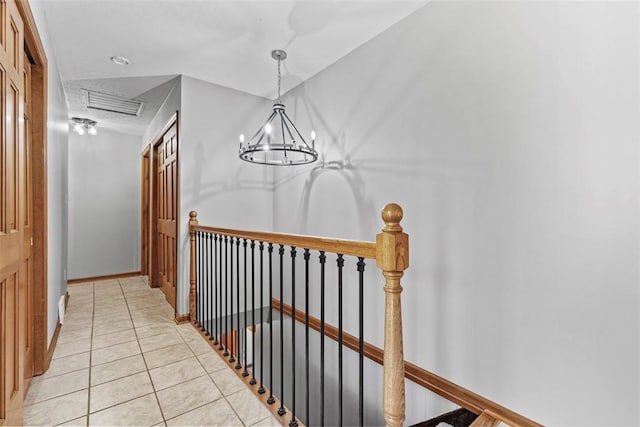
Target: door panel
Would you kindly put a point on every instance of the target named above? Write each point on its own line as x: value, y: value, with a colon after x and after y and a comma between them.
x: 165, y: 221
x: 13, y: 278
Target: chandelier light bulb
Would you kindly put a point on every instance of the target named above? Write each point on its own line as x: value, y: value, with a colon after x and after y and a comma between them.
x: 92, y: 131
x: 241, y: 138
x: 267, y: 128
x: 79, y: 129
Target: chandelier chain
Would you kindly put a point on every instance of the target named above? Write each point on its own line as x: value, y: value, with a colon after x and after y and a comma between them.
x: 279, y: 78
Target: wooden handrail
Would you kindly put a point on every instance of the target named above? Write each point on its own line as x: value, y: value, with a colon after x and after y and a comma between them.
x: 337, y: 246
x: 465, y: 398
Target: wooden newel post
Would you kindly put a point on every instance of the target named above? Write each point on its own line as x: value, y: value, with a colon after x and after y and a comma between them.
x: 193, y: 221
x: 392, y: 257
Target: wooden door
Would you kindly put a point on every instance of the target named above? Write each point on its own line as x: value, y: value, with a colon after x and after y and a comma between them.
x: 13, y: 281
x: 165, y: 216
x: 27, y: 251
x: 146, y: 212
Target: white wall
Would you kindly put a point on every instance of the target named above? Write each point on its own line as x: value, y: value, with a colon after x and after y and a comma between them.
x: 168, y: 108
x: 509, y: 134
x: 104, y: 204
x: 224, y: 190
x: 57, y: 152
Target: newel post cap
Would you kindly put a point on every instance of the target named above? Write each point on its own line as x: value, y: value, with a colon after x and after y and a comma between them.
x: 193, y: 218
x: 392, y: 215
x: 392, y: 245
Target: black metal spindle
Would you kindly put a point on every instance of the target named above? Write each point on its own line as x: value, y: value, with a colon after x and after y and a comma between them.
x: 230, y: 340
x: 219, y: 318
x: 281, y: 410
x: 204, y: 280
x: 214, y: 321
x: 361, y: 340
x: 198, y: 277
x: 226, y: 296
x: 323, y: 260
x: 271, y: 399
x: 293, y: 422
x: 203, y: 326
x: 253, y: 314
x: 307, y: 256
x: 340, y: 263
x: 261, y: 389
x: 236, y: 347
x: 245, y: 373
x: 210, y: 291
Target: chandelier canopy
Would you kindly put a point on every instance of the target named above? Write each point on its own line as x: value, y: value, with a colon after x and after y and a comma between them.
x: 278, y: 141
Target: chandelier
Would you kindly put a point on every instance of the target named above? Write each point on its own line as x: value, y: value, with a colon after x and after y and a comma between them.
x: 82, y: 126
x: 278, y: 142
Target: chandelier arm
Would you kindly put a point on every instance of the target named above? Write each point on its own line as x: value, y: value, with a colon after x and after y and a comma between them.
x: 261, y: 128
x: 286, y: 125
x: 296, y: 129
x: 259, y: 140
x: 284, y: 141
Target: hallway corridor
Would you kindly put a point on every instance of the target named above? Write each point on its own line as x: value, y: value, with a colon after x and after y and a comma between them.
x: 121, y: 360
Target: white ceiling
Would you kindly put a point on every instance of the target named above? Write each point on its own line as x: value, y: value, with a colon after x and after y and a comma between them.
x: 227, y: 42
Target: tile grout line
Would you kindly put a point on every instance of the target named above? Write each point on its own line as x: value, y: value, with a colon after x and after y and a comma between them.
x: 153, y: 386
x: 93, y: 315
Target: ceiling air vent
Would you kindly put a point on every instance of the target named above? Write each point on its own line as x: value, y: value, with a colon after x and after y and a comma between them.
x: 112, y: 103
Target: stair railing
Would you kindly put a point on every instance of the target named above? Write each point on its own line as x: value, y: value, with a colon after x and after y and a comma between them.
x: 220, y: 258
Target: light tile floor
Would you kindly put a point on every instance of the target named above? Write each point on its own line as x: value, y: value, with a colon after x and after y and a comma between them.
x: 121, y: 360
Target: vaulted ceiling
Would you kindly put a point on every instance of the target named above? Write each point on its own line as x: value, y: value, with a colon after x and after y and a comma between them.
x: 227, y: 42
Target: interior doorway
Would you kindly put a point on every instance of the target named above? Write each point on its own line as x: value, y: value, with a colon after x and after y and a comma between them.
x: 23, y: 208
x: 164, y: 207
x: 145, y: 223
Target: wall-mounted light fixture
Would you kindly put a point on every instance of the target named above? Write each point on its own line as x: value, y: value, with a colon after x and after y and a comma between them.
x: 82, y: 125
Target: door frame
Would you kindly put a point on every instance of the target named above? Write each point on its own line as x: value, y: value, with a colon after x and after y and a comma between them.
x: 153, y: 204
x: 145, y: 208
x: 35, y: 49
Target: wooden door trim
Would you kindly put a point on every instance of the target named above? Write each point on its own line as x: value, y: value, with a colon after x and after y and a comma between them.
x: 39, y: 85
x: 145, y: 264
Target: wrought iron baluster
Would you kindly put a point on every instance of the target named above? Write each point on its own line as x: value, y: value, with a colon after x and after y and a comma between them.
x: 198, y: 278
x: 271, y: 400
x: 261, y: 389
x: 220, y: 301
x: 205, y: 292
x: 361, y: 266
x: 253, y: 314
x: 211, y: 289
x: 226, y: 295
x: 230, y: 340
x: 214, y: 321
x: 245, y: 373
x: 340, y: 263
x: 281, y: 410
x: 236, y: 349
x: 307, y: 256
x: 293, y: 422
x: 323, y: 260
